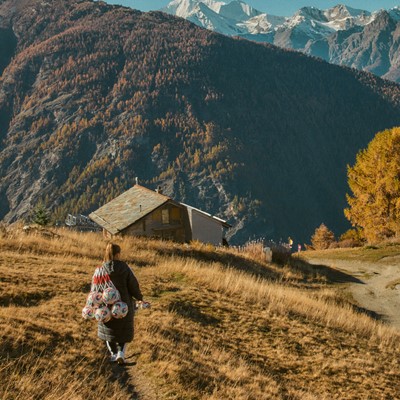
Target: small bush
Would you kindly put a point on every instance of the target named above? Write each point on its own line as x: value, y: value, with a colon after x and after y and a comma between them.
x: 40, y: 215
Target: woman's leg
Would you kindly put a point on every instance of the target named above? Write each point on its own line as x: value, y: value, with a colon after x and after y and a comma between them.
x: 113, y: 349
x: 121, y: 353
x: 121, y: 347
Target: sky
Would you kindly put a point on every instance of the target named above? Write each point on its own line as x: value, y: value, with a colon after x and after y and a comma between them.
x: 277, y: 7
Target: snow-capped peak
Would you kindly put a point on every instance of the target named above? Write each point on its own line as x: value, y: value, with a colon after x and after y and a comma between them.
x: 343, y: 17
x: 204, y: 16
x: 185, y: 8
x: 233, y: 17
x: 238, y: 11
x: 311, y: 13
x: 341, y: 11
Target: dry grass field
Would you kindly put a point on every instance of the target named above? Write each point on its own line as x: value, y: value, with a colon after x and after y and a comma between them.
x: 223, y: 325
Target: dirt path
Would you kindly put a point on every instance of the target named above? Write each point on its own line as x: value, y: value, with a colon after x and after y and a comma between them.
x: 379, y: 290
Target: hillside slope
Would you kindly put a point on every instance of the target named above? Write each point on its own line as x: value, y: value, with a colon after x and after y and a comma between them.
x: 214, y: 330
x: 93, y: 95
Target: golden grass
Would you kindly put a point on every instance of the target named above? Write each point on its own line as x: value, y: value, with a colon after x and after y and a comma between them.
x: 379, y: 252
x: 258, y: 294
x: 222, y: 326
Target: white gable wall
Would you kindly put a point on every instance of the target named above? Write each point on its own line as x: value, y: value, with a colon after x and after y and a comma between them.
x: 204, y: 228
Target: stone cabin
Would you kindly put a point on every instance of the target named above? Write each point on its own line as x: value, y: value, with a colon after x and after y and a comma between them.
x: 143, y: 212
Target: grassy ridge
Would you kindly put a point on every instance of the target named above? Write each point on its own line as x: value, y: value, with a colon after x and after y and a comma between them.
x: 224, y: 325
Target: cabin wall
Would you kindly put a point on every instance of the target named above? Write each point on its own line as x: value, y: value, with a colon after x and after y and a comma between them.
x: 204, y: 229
x: 166, y: 222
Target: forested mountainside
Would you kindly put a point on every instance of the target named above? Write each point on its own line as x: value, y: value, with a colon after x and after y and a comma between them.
x: 93, y: 95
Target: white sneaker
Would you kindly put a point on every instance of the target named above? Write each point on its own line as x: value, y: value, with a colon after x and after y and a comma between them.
x: 113, y: 358
x: 120, y: 358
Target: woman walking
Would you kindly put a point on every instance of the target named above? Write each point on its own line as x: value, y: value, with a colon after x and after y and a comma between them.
x: 118, y: 332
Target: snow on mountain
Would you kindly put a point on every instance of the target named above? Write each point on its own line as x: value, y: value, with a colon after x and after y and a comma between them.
x: 186, y: 8
x: 223, y: 16
x: 203, y: 16
x: 342, y: 17
x: 341, y: 11
x: 207, y: 14
x: 231, y: 18
x: 324, y: 22
x: 262, y: 24
x: 238, y: 11
x: 312, y: 13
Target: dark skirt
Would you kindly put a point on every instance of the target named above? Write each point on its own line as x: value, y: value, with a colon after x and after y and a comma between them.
x: 117, y: 330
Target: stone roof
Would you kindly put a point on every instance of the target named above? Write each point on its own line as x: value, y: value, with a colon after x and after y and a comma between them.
x: 128, y: 208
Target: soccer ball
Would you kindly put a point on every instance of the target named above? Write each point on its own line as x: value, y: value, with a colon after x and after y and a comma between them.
x: 103, y: 314
x: 119, y: 310
x: 94, y: 299
x: 111, y: 295
x: 88, y: 312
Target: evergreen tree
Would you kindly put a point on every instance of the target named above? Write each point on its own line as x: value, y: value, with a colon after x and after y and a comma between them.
x: 40, y: 215
x: 375, y: 184
x: 322, y: 238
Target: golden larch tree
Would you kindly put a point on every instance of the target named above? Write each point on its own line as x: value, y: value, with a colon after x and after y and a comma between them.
x: 374, y: 181
x: 322, y: 238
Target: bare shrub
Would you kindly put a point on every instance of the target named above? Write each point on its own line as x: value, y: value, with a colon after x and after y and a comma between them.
x: 254, y: 249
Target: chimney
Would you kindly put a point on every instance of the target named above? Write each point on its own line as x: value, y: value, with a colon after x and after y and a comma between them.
x: 137, y: 180
x: 159, y: 189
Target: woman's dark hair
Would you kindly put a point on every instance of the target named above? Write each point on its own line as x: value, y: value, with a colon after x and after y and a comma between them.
x: 111, y: 251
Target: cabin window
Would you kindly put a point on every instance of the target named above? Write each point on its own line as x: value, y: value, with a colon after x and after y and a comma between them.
x: 165, y: 216
x: 144, y: 225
